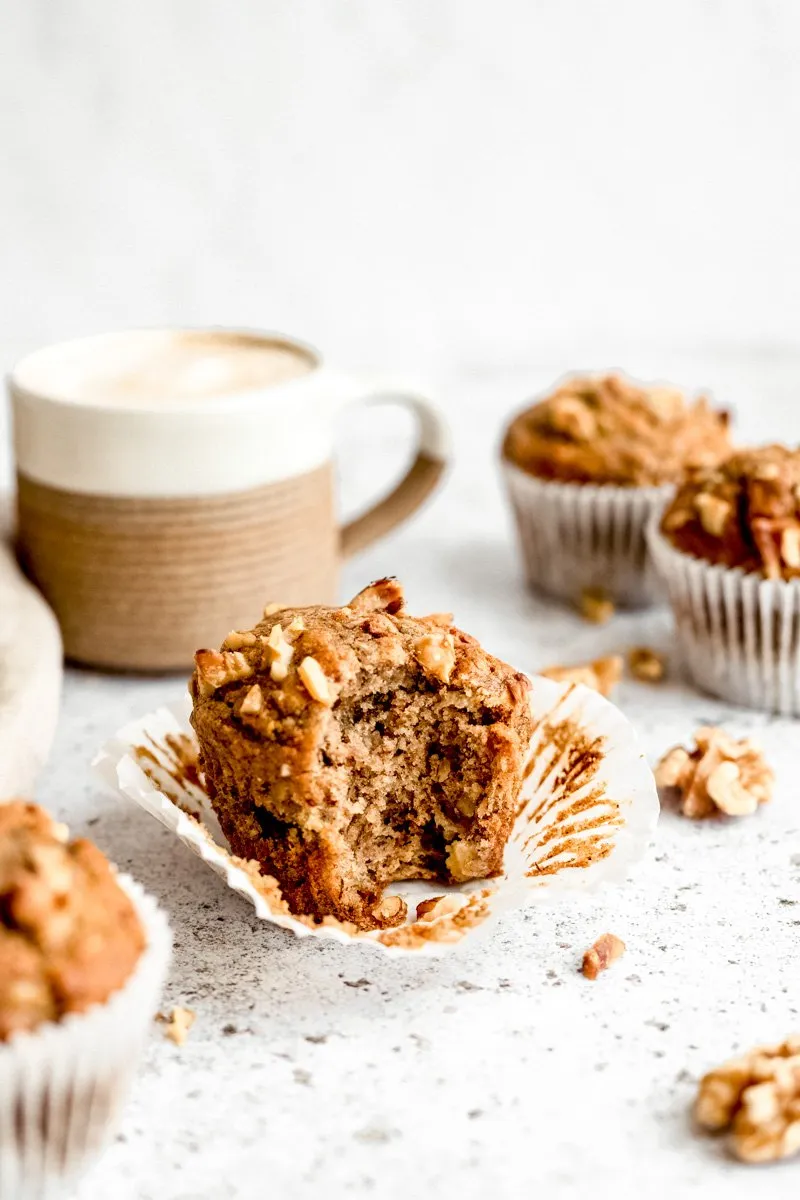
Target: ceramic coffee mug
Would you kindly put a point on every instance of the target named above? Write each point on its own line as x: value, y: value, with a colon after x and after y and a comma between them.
x: 172, y: 482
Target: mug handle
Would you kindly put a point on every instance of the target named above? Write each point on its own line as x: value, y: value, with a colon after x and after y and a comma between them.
x: 430, y: 461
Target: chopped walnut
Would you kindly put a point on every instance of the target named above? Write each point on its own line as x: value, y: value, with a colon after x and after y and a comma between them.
x: 757, y: 1099
x: 279, y: 653
x: 444, y: 619
x: 790, y: 546
x: 713, y: 512
x: 271, y: 609
x: 295, y: 627
x: 719, y: 775
x: 436, y: 654
x: 596, y: 606
x: 316, y: 682
x: 599, y: 957
x: 646, y: 664
x: 391, y: 908
x: 602, y: 675
x: 252, y: 703
x: 384, y: 594
x: 179, y: 1022
x: 236, y: 640
x: 215, y: 668
x: 439, y: 906
x: 571, y: 415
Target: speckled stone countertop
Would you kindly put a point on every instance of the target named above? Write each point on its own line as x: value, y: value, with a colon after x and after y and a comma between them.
x: 316, y: 1070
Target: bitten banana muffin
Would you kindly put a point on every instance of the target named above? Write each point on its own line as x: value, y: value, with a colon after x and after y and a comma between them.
x: 744, y: 513
x: 69, y: 936
x: 347, y: 748
x: 610, y: 430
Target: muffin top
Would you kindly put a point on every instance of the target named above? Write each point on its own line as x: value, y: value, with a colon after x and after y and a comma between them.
x: 608, y: 430
x: 69, y: 935
x: 301, y: 660
x: 744, y: 513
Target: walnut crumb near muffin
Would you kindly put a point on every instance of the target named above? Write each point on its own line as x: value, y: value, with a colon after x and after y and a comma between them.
x: 602, y: 675
x: 743, y: 513
x: 178, y: 1024
x: 610, y: 430
x: 720, y: 775
x: 596, y: 606
x: 755, y: 1099
x: 599, y: 957
x: 647, y: 665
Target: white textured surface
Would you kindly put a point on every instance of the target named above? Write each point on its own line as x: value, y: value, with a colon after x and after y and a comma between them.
x: 317, y: 1070
x: 452, y: 180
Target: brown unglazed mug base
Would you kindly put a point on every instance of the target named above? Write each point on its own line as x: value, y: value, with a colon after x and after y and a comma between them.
x: 140, y: 584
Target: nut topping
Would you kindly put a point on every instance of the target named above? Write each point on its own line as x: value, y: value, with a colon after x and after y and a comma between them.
x: 236, y: 640
x: 436, y: 654
x: 215, y: 668
x: 252, y: 703
x: 316, y: 682
x: 384, y: 594
x: 279, y: 653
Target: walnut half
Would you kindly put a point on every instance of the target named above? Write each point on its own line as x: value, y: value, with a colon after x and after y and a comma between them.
x: 757, y: 1099
x: 602, y: 675
x: 721, y: 775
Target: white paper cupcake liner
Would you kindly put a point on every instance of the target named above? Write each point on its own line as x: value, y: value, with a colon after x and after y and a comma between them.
x: 738, y: 633
x: 575, y: 536
x: 63, y: 1086
x: 587, y: 812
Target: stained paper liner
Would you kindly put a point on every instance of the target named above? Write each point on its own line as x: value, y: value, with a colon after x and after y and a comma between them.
x: 575, y: 536
x: 586, y: 814
x: 738, y: 633
x: 63, y: 1086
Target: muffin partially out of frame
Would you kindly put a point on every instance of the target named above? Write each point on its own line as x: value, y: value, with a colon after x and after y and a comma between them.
x: 348, y: 748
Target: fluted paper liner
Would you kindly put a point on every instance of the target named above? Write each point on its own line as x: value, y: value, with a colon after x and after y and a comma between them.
x: 586, y: 814
x: 738, y: 633
x: 63, y: 1085
x: 575, y: 536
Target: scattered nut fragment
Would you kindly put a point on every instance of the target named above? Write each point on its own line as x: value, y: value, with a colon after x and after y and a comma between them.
x: 215, y: 668
x: 719, y: 775
x: 713, y: 512
x: 252, y: 703
x: 596, y: 606
x: 755, y: 1097
x: 647, y: 664
x: 436, y: 654
x: 236, y: 640
x: 315, y: 681
x: 383, y: 594
x: 279, y: 653
x: 599, y: 957
x: 602, y: 675
x: 391, y: 908
x: 439, y: 906
x: 179, y: 1022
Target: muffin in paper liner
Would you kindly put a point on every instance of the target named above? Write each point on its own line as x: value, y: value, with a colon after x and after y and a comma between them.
x: 64, y: 1084
x: 575, y: 536
x: 738, y: 633
x: 586, y: 813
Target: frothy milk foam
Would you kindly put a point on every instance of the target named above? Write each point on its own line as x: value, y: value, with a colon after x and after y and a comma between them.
x: 152, y: 369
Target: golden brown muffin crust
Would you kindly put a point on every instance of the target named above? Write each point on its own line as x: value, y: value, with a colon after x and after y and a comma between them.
x: 609, y: 430
x: 69, y: 935
x: 744, y: 513
x: 345, y: 748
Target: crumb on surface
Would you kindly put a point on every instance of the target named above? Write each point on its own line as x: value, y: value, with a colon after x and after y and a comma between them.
x: 599, y: 957
x: 647, y: 664
x: 178, y: 1024
x: 596, y: 606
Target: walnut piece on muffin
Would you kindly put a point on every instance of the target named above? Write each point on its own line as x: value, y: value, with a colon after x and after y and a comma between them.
x: 69, y: 936
x: 609, y: 430
x: 385, y: 747
x: 743, y: 513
